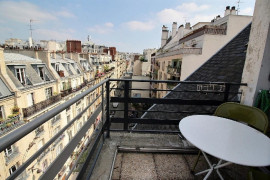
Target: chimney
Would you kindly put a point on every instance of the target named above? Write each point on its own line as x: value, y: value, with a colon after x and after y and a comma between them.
x: 187, y: 26
x: 164, y: 35
x: 227, y: 11
x: 63, y: 55
x: 174, y: 27
x: 181, y: 30
x: 218, y: 17
x: 233, y: 11
x: 3, y: 70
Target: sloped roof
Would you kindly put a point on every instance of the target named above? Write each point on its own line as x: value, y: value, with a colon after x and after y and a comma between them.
x: 225, y: 66
x: 19, y: 57
x: 4, y: 91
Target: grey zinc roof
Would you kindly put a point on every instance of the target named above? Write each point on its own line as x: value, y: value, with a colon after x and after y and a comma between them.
x: 13, y: 57
x: 225, y: 66
x: 4, y: 91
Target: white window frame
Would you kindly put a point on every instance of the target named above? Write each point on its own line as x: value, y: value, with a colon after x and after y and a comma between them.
x: 57, y: 67
x: 2, y: 112
x: 9, y: 151
x: 48, y: 92
x: 20, y: 74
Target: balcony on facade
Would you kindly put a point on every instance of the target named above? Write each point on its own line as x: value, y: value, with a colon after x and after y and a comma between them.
x: 40, y: 106
x: 172, y: 52
x: 134, y: 127
x: 10, y: 124
x: 213, y: 30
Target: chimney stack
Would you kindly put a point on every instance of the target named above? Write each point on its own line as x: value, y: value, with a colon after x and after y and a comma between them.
x: 174, y: 27
x: 233, y: 11
x: 164, y: 36
x: 187, y: 26
x: 227, y: 11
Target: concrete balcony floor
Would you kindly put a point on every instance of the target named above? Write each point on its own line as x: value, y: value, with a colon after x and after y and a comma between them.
x: 149, y: 163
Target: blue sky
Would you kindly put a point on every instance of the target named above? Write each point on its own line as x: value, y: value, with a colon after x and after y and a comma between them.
x: 129, y: 25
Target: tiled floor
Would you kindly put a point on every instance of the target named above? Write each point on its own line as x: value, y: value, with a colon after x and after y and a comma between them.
x: 155, y: 166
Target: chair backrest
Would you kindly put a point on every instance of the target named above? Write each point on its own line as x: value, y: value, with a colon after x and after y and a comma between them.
x: 247, y: 114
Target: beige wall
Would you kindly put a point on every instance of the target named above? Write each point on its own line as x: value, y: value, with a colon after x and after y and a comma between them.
x: 141, y: 85
x: 257, y: 66
x: 137, y: 68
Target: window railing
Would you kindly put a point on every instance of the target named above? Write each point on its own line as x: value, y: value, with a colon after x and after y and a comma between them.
x: 40, y: 106
x: 182, y: 97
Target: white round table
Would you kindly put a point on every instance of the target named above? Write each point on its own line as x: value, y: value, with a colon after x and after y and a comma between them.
x: 227, y: 140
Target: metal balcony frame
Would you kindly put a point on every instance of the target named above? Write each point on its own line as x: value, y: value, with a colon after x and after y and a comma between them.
x: 103, y: 108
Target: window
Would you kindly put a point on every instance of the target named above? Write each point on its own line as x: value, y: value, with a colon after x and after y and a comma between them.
x: 12, y: 169
x: 41, y: 72
x: 68, y: 118
x: 59, y: 149
x: 56, y: 130
x: 69, y: 135
x: 30, y: 99
x: 20, y: 74
x: 137, y: 95
x: 2, y: 114
x: 44, y: 165
x: 57, y: 67
x: 9, y: 151
x: 40, y: 143
x: 48, y: 92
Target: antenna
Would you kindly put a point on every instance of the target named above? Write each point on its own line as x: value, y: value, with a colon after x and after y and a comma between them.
x: 185, y: 18
x: 30, y: 25
x: 238, y: 6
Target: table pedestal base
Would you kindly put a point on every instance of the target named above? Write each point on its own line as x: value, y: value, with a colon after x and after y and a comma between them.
x: 213, y: 167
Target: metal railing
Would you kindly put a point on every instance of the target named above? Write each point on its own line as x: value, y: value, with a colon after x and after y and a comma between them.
x: 104, y: 127
x: 40, y: 106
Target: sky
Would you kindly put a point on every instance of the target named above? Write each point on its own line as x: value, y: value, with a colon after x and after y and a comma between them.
x: 128, y: 25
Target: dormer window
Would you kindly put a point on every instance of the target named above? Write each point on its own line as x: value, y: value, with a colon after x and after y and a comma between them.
x: 20, y: 74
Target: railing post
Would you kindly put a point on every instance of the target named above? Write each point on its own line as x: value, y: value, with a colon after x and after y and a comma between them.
x: 126, y: 96
x: 102, y: 109
x: 108, y: 119
x: 227, y: 91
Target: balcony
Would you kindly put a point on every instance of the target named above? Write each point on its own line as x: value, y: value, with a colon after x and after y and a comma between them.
x: 213, y: 30
x: 179, y: 51
x: 174, y: 71
x: 149, y: 141
x: 10, y: 124
x: 40, y: 106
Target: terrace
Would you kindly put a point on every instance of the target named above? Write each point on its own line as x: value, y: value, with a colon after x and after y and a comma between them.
x: 125, y: 146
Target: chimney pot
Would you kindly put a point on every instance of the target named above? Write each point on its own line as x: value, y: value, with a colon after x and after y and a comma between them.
x: 227, y: 7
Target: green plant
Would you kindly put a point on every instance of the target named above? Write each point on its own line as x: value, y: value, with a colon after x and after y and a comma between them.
x: 55, y: 93
x: 15, y: 110
x: 8, y: 125
x: 1, y: 120
x: 10, y: 116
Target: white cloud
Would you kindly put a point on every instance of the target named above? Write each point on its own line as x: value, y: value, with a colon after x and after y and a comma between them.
x: 108, y: 24
x: 23, y: 12
x: 65, y: 14
x: 186, y: 11
x: 246, y: 11
x: 192, y: 7
x: 102, y: 29
x: 140, y: 26
x: 54, y: 34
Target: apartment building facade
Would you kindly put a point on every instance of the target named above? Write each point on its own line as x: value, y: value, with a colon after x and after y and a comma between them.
x: 36, y: 81
x: 187, y: 48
